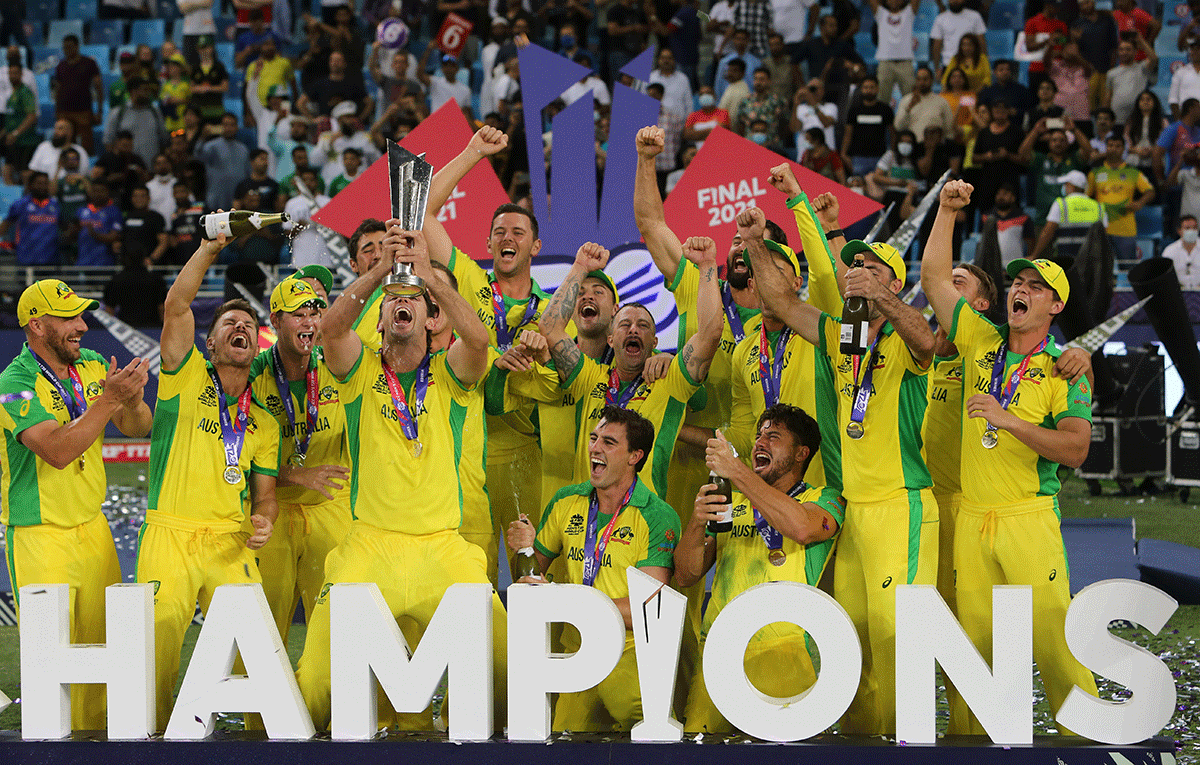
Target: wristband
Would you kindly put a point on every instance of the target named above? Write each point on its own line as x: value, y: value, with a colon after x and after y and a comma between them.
x: 835, y: 234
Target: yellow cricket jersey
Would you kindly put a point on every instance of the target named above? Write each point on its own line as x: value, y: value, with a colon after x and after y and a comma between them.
x: 328, y: 443
x: 645, y: 534
x: 886, y: 462
x: 941, y: 432
x: 187, y: 458
x: 512, y: 391
x: 662, y: 402
x: 366, y: 326
x: 742, y: 558
x: 390, y: 487
x: 1011, y: 472
x: 31, y: 490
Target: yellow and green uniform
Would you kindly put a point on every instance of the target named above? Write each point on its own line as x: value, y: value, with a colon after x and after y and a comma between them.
x: 292, y: 563
x: 406, y: 508
x: 777, y: 661
x: 890, y: 536
x: 194, y: 537
x: 645, y: 534
x: 54, y: 531
x: 1115, y: 188
x: 1008, y: 524
x: 662, y: 402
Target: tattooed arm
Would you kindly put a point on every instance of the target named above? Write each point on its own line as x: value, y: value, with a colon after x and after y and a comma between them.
x: 554, y: 320
x: 698, y: 354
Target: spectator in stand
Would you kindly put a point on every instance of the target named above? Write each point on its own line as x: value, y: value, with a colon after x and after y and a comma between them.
x: 1123, y: 190
x: 341, y: 85
x: 198, y: 22
x: 973, y: 62
x: 819, y: 158
x: 1072, y: 75
x: 78, y: 91
x: 758, y: 19
x: 118, y: 92
x: 271, y: 71
x: 507, y: 85
x: 210, y: 83
x: 226, y: 161
x: 936, y: 155
x: 242, y: 9
x: 120, y: 167
x: 763, y: 105
x: 827, y: 55
x: 1104, y: 124
x: 398, y: 120
x: 1069, y: 219
x: 175, y: 93
x: 307, y: 197
x: 142, y: 119
x: 677, y: 90
x: 36, y: 217
x: 847, y: 15
x: 313, y: 62
x: 628, y: 33
x: 1047, y: 168
x: 701, y: 122
x: 297, y: 131
x: 1039, y: 30
x: 134, y: 294
x: 960, y: 97
x: 865, y: 137
x: 735, y: 85
x: 499, y: 35
x: 672, y: 125
x: 971, y: 168
x: 351, y: 168
x: 1130, y: 18
x: 1045, y: 108
x: 811, y: 110
x: 98, y: 226
x: 195, y: 175
x: 445, y: 86
x: 896, y: 168
x: 686, y: 155
x: 344, y: 133
x: 19, y: 138
x: 739, y: 42
x: 161, y: 187
x: 192, y: 134
x: 948, y: 28
x: 1005, y: 86
x: 1178, y: 136
x: 72, y: 194
x: 266, y: 186
x: 894, y: 24
x: 682, y: 33
x: 785, y: 73
x: 147, y: 65
x: 997, y: 152
x: 1126, y: 81
x: 1014, y: 229
x: 344, y: 36
x: 921, y: 108
x: 398, y: 83
x: 184, y: 236
x: 15, y: 57
x: 289, y: 185
x: 1185, y: 82
x: 1184, y: 254
x: 588, y: 83
x: 144, y: 231
x: 1096, y: 33
x: 1184, y: 183
x: 1142, y: 129
x: 1191, y: 30
x: 48, y: 154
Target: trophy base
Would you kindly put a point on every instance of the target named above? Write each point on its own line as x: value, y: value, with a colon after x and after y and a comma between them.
x: 411, y: 286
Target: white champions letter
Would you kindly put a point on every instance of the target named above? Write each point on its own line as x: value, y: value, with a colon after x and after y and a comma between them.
x: 658, y: 614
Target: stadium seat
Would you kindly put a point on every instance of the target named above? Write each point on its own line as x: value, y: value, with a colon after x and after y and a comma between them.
x: 44, y: 53
x: 100, y: 53
x: 60, y: 28
x: 81, y: 9
x: 8, y: 195
x: 225, y: 55
x: 248, y: 136
x: 110, y: 32
x: 1166, y: 44
x: 926, y: 13
x: 1167, y: 66
x: 1163, y: 91
x: 1150, y: 221
x: 1146, y: 248
x: 1000, y: 43
x: 1006, y: 14
x: 864, y: 45
x: 150, y: 32
x: 42, y: 80
x: 920, y: 47
x: 969, y: 245
x: 167, y: 9
x: 1176, y: 13
x: 237, y: 106
x: 42, y: 10
x: 45, y: 121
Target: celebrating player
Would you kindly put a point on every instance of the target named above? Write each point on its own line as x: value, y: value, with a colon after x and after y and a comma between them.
x: 57, y: 398
x: 1021, y: 422
x: 618, y: 508
x: 407, y: 409
x: 778, y: 518
x: 890, y: 533
x: 211, y: 439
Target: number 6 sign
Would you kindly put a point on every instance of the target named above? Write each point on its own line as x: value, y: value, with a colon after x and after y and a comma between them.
x: 452, y: 37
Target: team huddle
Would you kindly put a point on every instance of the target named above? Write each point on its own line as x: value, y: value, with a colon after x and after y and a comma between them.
x: 416, y: 441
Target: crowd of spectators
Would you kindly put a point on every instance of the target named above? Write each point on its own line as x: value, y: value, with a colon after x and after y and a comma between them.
x: 316, y: 108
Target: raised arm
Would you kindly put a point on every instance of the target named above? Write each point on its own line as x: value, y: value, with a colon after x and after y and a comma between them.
x: 908, y: 321
x: 661, y: 241
x: 179, y: 325
x: 341, y: 343
x: 937, y: 259
x: 775, y: 288
x: 698, y: 354
x: 486, y: 142
x: 826, y: 272
x: 554, y: 320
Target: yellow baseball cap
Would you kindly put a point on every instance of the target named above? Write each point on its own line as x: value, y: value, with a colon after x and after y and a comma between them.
x: 787, y: 252
x: 890, y: 256
x: 608, y: 282
x: 51, y: 297
x: 291, y: 294
x: 1050, y: 271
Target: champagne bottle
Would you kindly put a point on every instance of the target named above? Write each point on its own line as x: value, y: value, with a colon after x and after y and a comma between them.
x: 855, y: 316
x: 238, y: 223
x: 724, y: 489
x: 526, y: 564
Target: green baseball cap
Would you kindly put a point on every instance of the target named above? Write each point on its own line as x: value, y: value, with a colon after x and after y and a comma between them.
x: 608, y: 282
x: 1048, y: 269
x: 318, y: 272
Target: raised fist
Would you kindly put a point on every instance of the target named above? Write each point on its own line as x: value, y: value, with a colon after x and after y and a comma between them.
x: 488, y: 140
x: 955, y: 195
x: 650, y: 142
x: 592, y: 257
x: 751, y: 223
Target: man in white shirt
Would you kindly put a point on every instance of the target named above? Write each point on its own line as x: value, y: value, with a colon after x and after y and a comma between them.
x: 16, y: 57
x: 46, y: 155
x: 677, y: 90
x: 813, y: 111
x: 736, y: 88
x: 1185, y: 83
x: 197, y: 21
x: 1185, y: 254
x: 591, y: 83
x: 894, y: 21
x: 162, y: 188
x: 791, y: 18
x: 949, y: 27
x: 345, y: 134
x: 445, y: 86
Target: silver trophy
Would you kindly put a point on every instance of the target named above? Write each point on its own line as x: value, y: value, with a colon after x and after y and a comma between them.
x: 409, y: 176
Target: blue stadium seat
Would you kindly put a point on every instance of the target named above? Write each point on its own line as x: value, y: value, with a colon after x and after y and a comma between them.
x: 248, y: 137
x: 1150, y: 221
x: 110, y: 32
x: 45, y: 53
x: 42, y: 10
x: 1175, y: 13
x: 101, y: 53
x: 237, y: 106
x: 1000, y: 43
x: 81, y: 9
x: 225, y: 55
x: 150, y: 32
x: 864, y: 45
x: 1163, y: 91
x: 60, y: 28
x: 42, y: 80
x: 1006, y: 14
x: 926, y: 13
x: 1147, y: 248
x: 45, y: 121
x: 1167, y: 66
x: 8, y: 195
x: 167, y: 9
x: 920, y: 47
x: 1166, y: 44
x: 226, y: 25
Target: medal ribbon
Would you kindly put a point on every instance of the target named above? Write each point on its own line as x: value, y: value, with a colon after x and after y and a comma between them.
x: 593, y: 548
x: 613, y: 396
x: 285, y: 392
x: 233, y: 435
x: 504, y: 336
x: 76, y: 402
x: 771, y: 375
x: 731, y: 314
x: 862, y: 389
x: 407, y: 417
x: 1005, y: 397
x: 771, y: 537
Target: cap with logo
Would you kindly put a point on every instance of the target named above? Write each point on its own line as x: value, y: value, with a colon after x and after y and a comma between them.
x: 318, y: 272
x: 1049, y: 270
x: 787, y: 252
x: 292, y: 294
x: 890, y: 256
x: 608, y: 282
x: 51, y: 297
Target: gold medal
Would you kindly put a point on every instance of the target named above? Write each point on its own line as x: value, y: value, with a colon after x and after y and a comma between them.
x: 82, y: 461
x: 296, y: 460
x: 854, y: 430
x: 777, y: 557
x: 233, y: 476
x: 417, y: 448
x: 990, y: 439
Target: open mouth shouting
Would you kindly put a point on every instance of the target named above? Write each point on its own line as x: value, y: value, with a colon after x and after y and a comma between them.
x: 633, y: 347
x: 402, y: 318
x: 305, y: 340
x: 1019, y: 307
x: 240, y: 340
x: 598, y: 465
x: 508, y: 254
x: 762, y: 460
x: 588, y: 310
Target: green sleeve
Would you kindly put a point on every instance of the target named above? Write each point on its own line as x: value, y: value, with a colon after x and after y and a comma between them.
x: 662, y: 524
x: 549, y: 536
x: 22, y: 413
x: 1078, y: 402
x: 823, y: 290
x: 830, y: 500
x: 266, y: 458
